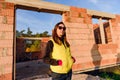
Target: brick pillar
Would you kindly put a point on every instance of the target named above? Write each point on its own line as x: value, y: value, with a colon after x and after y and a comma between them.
x: 6, y: 40
x: 111, y: 29
x: 102, y: 31
x: 79, y: 34
x: 116, y: 29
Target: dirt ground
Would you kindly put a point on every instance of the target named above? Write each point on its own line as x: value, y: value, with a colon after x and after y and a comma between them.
x: 37, y: 70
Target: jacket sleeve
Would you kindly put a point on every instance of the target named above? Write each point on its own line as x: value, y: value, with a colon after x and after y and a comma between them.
x: 47, y: 59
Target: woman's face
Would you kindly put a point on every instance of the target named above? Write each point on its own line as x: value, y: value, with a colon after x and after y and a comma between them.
x: 61, y: 30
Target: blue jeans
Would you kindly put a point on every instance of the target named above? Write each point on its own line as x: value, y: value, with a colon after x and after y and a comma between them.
x: 58, y: 76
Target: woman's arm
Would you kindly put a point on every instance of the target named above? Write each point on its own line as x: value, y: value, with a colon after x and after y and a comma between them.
x: 47, y: 59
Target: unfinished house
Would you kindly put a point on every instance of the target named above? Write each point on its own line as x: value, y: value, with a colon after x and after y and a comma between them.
x: 95, y: 46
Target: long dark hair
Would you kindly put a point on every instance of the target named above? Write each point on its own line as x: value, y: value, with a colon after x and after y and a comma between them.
x: 55, y: 36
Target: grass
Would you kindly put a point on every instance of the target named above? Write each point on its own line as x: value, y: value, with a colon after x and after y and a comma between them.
x: 109, y: 76
x: 108, y: 73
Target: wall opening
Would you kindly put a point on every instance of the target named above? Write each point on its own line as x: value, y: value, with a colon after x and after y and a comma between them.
x: 33, y: 30
x: 96, y: 31
x: 106, y: 30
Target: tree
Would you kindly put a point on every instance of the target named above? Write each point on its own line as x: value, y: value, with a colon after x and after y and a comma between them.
x: 19, y: 33
x: 29, y: 32
x: 44, y: 34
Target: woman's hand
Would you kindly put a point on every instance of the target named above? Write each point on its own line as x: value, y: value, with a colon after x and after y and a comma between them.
x: 59, y: 62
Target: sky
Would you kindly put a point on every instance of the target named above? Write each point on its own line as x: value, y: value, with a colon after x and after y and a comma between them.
x: 39, y: 22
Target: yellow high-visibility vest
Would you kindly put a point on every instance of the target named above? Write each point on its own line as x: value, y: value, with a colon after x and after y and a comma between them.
x: 61, y: 52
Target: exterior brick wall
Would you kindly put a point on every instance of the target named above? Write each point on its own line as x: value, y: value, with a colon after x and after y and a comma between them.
x: 80, y: 33
x: 6, y: 40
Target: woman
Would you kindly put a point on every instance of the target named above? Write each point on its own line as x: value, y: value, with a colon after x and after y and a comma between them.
x: 58, y: 54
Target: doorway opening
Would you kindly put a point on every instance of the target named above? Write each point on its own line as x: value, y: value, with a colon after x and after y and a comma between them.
x: 33, y: 30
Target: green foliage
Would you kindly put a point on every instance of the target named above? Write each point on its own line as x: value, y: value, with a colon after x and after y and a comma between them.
x: 20, y: 33
x: 36, y: 43
x: 110, y: 76
x: 35, y: 46
x: 29, y: 34
x: 111, y: 73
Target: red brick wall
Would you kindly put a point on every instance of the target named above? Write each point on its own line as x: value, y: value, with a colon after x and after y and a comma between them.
x: 81, y: 37
x: 116, y: 34
x: 6, y: 40
x: 20, y: 49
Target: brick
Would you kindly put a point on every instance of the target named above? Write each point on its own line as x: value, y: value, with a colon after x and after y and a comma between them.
x: 76, y: 25
x: 82, y: 10
x: 78, y: 36
x: 77, y: 67
x: 3, y: 52
x: 66, y: 17
x: 4, y: 20
x: 2, y: 0
x: 10, y: 52
x: 78, y: 31
x: 9, y: 5
x: 105, y: 51
x: 90, y: 64
x: 6, y: 43
x: 75, y: 14
x: 10, y: 20
x: 6, y: 76
x: 116, y: 28
x: 2, y: 69
x: 83, y: 15
x: 76, y: 20
x: 6, y: 60
x: 74, y: 9
x: 8, y: 68
x: 108, y: 46
x: 2, y: 5
x: 80, y: 53
x: 96, y: 64
x: 108, y: 61
x: 5, y: 69
x: 1, y: 19
x: 83, y: 59
x: 88, y: 21
x: 109, y: 56
x: 74, y: 67
x: 6, y: 35
x: 6, y: 27
x: 7, y: 12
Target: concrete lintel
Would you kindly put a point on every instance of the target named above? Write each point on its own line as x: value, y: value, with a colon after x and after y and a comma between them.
x: 41, y: 5
x: 99, y: 14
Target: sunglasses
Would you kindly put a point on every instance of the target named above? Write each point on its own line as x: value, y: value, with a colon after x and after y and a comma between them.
x: 60, y: 27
